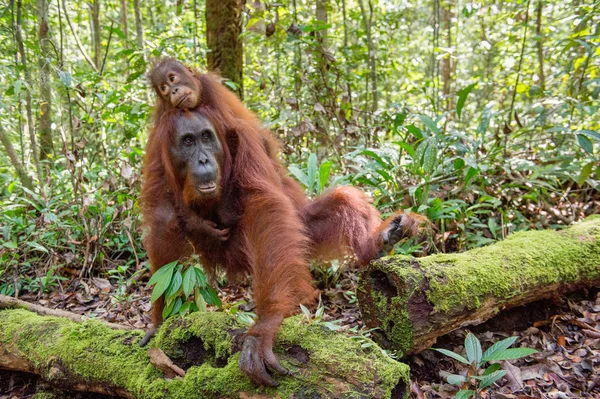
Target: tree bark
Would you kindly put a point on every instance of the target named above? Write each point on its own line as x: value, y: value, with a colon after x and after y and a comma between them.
x: 139, y: 26
x: 124, y: 26
x: 368, y: 24
x: 415, y: 300
x: 45, y: 121
x: 91, y: 357
x: 30, y: 123
x: 223, y: 29
x: 540, y: 44
x: 14, y: 159
x: 96, y: 33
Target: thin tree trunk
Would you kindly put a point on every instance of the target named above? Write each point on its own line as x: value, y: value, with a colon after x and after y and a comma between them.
x: 124, y: 26
x: 96, y: 33
x: 447, y: 65
x: 345, y: 21
x: 76, y: 37
x: 367, y: 21
x: 139, y: 27
x: 14, y: 159
x: 28, y: 106
x: 321, y: 14
x: 540, y: 44
x: 45, y: 121
x: 223, y: 29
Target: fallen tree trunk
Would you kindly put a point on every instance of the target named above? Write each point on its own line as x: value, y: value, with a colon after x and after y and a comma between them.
x: 415, y: 300
x: 92, y: 357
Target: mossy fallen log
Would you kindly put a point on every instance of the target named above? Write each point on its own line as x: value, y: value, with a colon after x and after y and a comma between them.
x: 92, y: 357
x: 415, y: 300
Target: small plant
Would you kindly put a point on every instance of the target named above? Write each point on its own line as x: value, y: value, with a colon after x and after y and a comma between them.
x: 314, y: 178
x: 308, y: 318
x: 178, y: 282
x: 477, y: 377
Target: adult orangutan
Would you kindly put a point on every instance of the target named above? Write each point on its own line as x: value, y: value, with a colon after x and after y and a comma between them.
x: 209, y: 164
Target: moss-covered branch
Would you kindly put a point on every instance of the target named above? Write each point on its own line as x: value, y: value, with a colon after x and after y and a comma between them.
x: 416, y: 300
x: 90, y: 356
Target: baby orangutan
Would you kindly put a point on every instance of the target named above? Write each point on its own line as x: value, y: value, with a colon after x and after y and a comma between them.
x: 175, y: 84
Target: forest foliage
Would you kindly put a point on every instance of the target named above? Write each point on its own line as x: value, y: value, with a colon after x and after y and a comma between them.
x: 481, y: 115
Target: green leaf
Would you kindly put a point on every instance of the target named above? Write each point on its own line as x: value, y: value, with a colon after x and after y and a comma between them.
x: 324, y: 171
x: 175, y: 285
x: 493, y: 368
x: 511, y: 354
x: 586, y: 171
x: 585, y: 143
x: 453, y: 355
x: 210, y: 296
x: 177, y: 305
x: 189, y: 281
x: 429, y: 123
x: 498, y: 347
x: 199, y: 299
x: 473, y: 348
x: 459, y: 163
x: 462, y: 97
x: 455, y: 379
x: 489, y: 379
x: 168, y: 309
x: 184, y: 308
x: 464, y: 394
x: 590, y: 133
x: 37, y: 246
x: 164, y: 272
x: 429, y: 156
x: 200, y: 277
x: 299, y: 175
x: 312, y: 173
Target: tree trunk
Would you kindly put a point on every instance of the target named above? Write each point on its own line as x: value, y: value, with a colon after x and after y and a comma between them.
x: 124, y: 26
x: 415, y: 300
x: 139, y: 26
x: 540, y: 44
x: 96, y: 33
x: 45, y: 121
x: 30, y: 123
x: 223, y: 29
x: 448, y: 61
x: 368, y: 24
x: 14, y: 159
x: 92, y: 357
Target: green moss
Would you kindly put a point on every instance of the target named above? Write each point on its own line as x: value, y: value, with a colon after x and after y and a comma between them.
x: 459, y: 282
x: 95, y: 352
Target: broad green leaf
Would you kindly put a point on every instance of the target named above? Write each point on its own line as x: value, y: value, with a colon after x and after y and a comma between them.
x: 175, y: 285
x: 498, y: 347
x: 324, y: 171
x: 453, y: 355
x: 199, y: 299
x: 177, y: 305
x: 459, y: 163
x: 164, y: 272
x: 492, y: 368
x: 585, y: 143
x: 429, y: 123
x: 376, y: 157
x: 511, y: 354
x: 210, y: 296
x: 429, y: 156
x: 489, y: 379
x: 586, y: 171
x: 299, y: 175
x: 464, y: 394
x: 168, y: 308
x: 462, y: 97
x: 184, y: 308
x: 312, y: 173
x: 473, y: 348
x: 415, y: 131
x: 590, y: 133
x: 189, y: 281
x: 200, y: 277
x: 38, y: 247
x: 455, y: 379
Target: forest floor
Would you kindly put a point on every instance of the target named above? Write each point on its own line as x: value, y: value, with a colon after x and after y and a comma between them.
x: 565, y: 332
